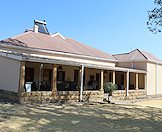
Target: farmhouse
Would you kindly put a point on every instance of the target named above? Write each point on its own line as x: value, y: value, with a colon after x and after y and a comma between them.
x: 41, y: 67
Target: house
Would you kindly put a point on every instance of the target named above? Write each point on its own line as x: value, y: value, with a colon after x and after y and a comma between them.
x: 44, y: 67
x: 138, y: 59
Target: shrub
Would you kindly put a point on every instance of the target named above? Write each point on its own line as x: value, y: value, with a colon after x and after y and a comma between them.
x: 109, y: 87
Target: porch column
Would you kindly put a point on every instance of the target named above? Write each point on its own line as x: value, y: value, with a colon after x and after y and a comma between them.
x: 102, y: 80
x: 136, y: 81
x: 113, y: 77
x: 145, y: 79
x: 81, y: 83
x: 54, y: 80
x: 127, y: 88
x: 22, y: 78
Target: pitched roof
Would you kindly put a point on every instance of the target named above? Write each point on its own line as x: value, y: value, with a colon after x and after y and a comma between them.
x: 136, y: 55
x: 55, y: 43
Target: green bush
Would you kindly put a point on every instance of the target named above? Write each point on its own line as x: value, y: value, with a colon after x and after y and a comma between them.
x: 109, y: 87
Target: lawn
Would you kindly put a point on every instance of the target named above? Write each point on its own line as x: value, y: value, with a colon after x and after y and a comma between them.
x: 85, y: 118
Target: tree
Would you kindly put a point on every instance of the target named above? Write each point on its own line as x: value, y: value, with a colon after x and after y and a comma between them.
x: 109, y: 87
x: 154, y: 22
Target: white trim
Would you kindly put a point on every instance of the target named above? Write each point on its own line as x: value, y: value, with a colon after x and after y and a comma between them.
x: 81, y: 84
x: 56, y: 52
x: 10, y: 55
x: 42, y: 22
x: 55, y: 34
x: 127, y: 88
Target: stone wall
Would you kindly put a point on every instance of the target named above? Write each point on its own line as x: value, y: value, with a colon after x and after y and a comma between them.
x: 47, y: 97
x: 132, y: 94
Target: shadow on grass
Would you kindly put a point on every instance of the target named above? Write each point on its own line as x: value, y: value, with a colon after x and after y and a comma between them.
x: 53, y: 117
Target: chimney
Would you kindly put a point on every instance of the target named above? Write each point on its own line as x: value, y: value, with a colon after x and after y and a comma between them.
x: 40, y: 26
x: 35, y: 28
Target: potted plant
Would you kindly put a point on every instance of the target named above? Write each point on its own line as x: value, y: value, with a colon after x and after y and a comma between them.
x: 109, y: 87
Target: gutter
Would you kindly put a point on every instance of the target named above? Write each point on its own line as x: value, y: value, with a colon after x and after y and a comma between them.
x: 140, y: 60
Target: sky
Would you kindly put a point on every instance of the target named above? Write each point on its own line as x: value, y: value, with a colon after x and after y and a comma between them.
x: 113, y: 26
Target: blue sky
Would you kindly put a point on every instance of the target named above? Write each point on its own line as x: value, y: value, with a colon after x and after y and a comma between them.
x: 109, y: 25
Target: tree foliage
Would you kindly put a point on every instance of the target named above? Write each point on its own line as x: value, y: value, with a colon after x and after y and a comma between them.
x: 154, y: 22
x: 109, y: 87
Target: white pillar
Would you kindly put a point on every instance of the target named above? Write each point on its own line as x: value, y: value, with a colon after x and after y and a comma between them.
x: 113, y: 77
x: 102, y: 79
x: 136, y: 81
x: 127, y: 88
x: 81, y: 83
x: 40, y: 74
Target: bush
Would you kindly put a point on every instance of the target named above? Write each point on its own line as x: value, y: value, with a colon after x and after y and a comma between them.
x: 109, y: 87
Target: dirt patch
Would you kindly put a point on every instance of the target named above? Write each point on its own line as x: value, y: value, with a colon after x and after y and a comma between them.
x: 90, y: 118
x: 151, y: 103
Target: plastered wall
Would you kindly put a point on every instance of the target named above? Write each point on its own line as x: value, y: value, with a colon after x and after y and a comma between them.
x: 9, y: 74
x: 151, y: 79
x: 159, y: 79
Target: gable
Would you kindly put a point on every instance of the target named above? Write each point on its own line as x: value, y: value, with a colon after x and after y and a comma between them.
x: 136, y: 55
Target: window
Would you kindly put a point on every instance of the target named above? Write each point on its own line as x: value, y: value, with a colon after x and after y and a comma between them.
x: 29, y: 74
x: 122, y: 79
x: 47, y: 74
x: 76, y: 76
x: 110, y: 76
x: 91, y: 77
x: 97, y: 80
x: 60, y: 75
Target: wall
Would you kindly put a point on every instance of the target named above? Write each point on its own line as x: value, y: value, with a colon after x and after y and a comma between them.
x: 107, y: 77
x: 135, y: 65
x: 151, y: 79
x: 47, y: 97
x: 133, y: 94
x: 9, y: 74
x: 132, y: 79
x: 69, y: 72
x: 88, y: 72
x: 69, y: 75
x: 141, y: 81
x: 159, y: 79
x: 124, y: 64
x: 140, y: 65
x: 118, y: 79
x: 36, y: 67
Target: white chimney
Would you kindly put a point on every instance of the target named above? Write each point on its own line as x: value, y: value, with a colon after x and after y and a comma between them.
x: 35, y: 28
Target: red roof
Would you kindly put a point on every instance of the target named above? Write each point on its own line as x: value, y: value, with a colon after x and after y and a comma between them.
x: 136, y: 55
x: 55, y: 43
